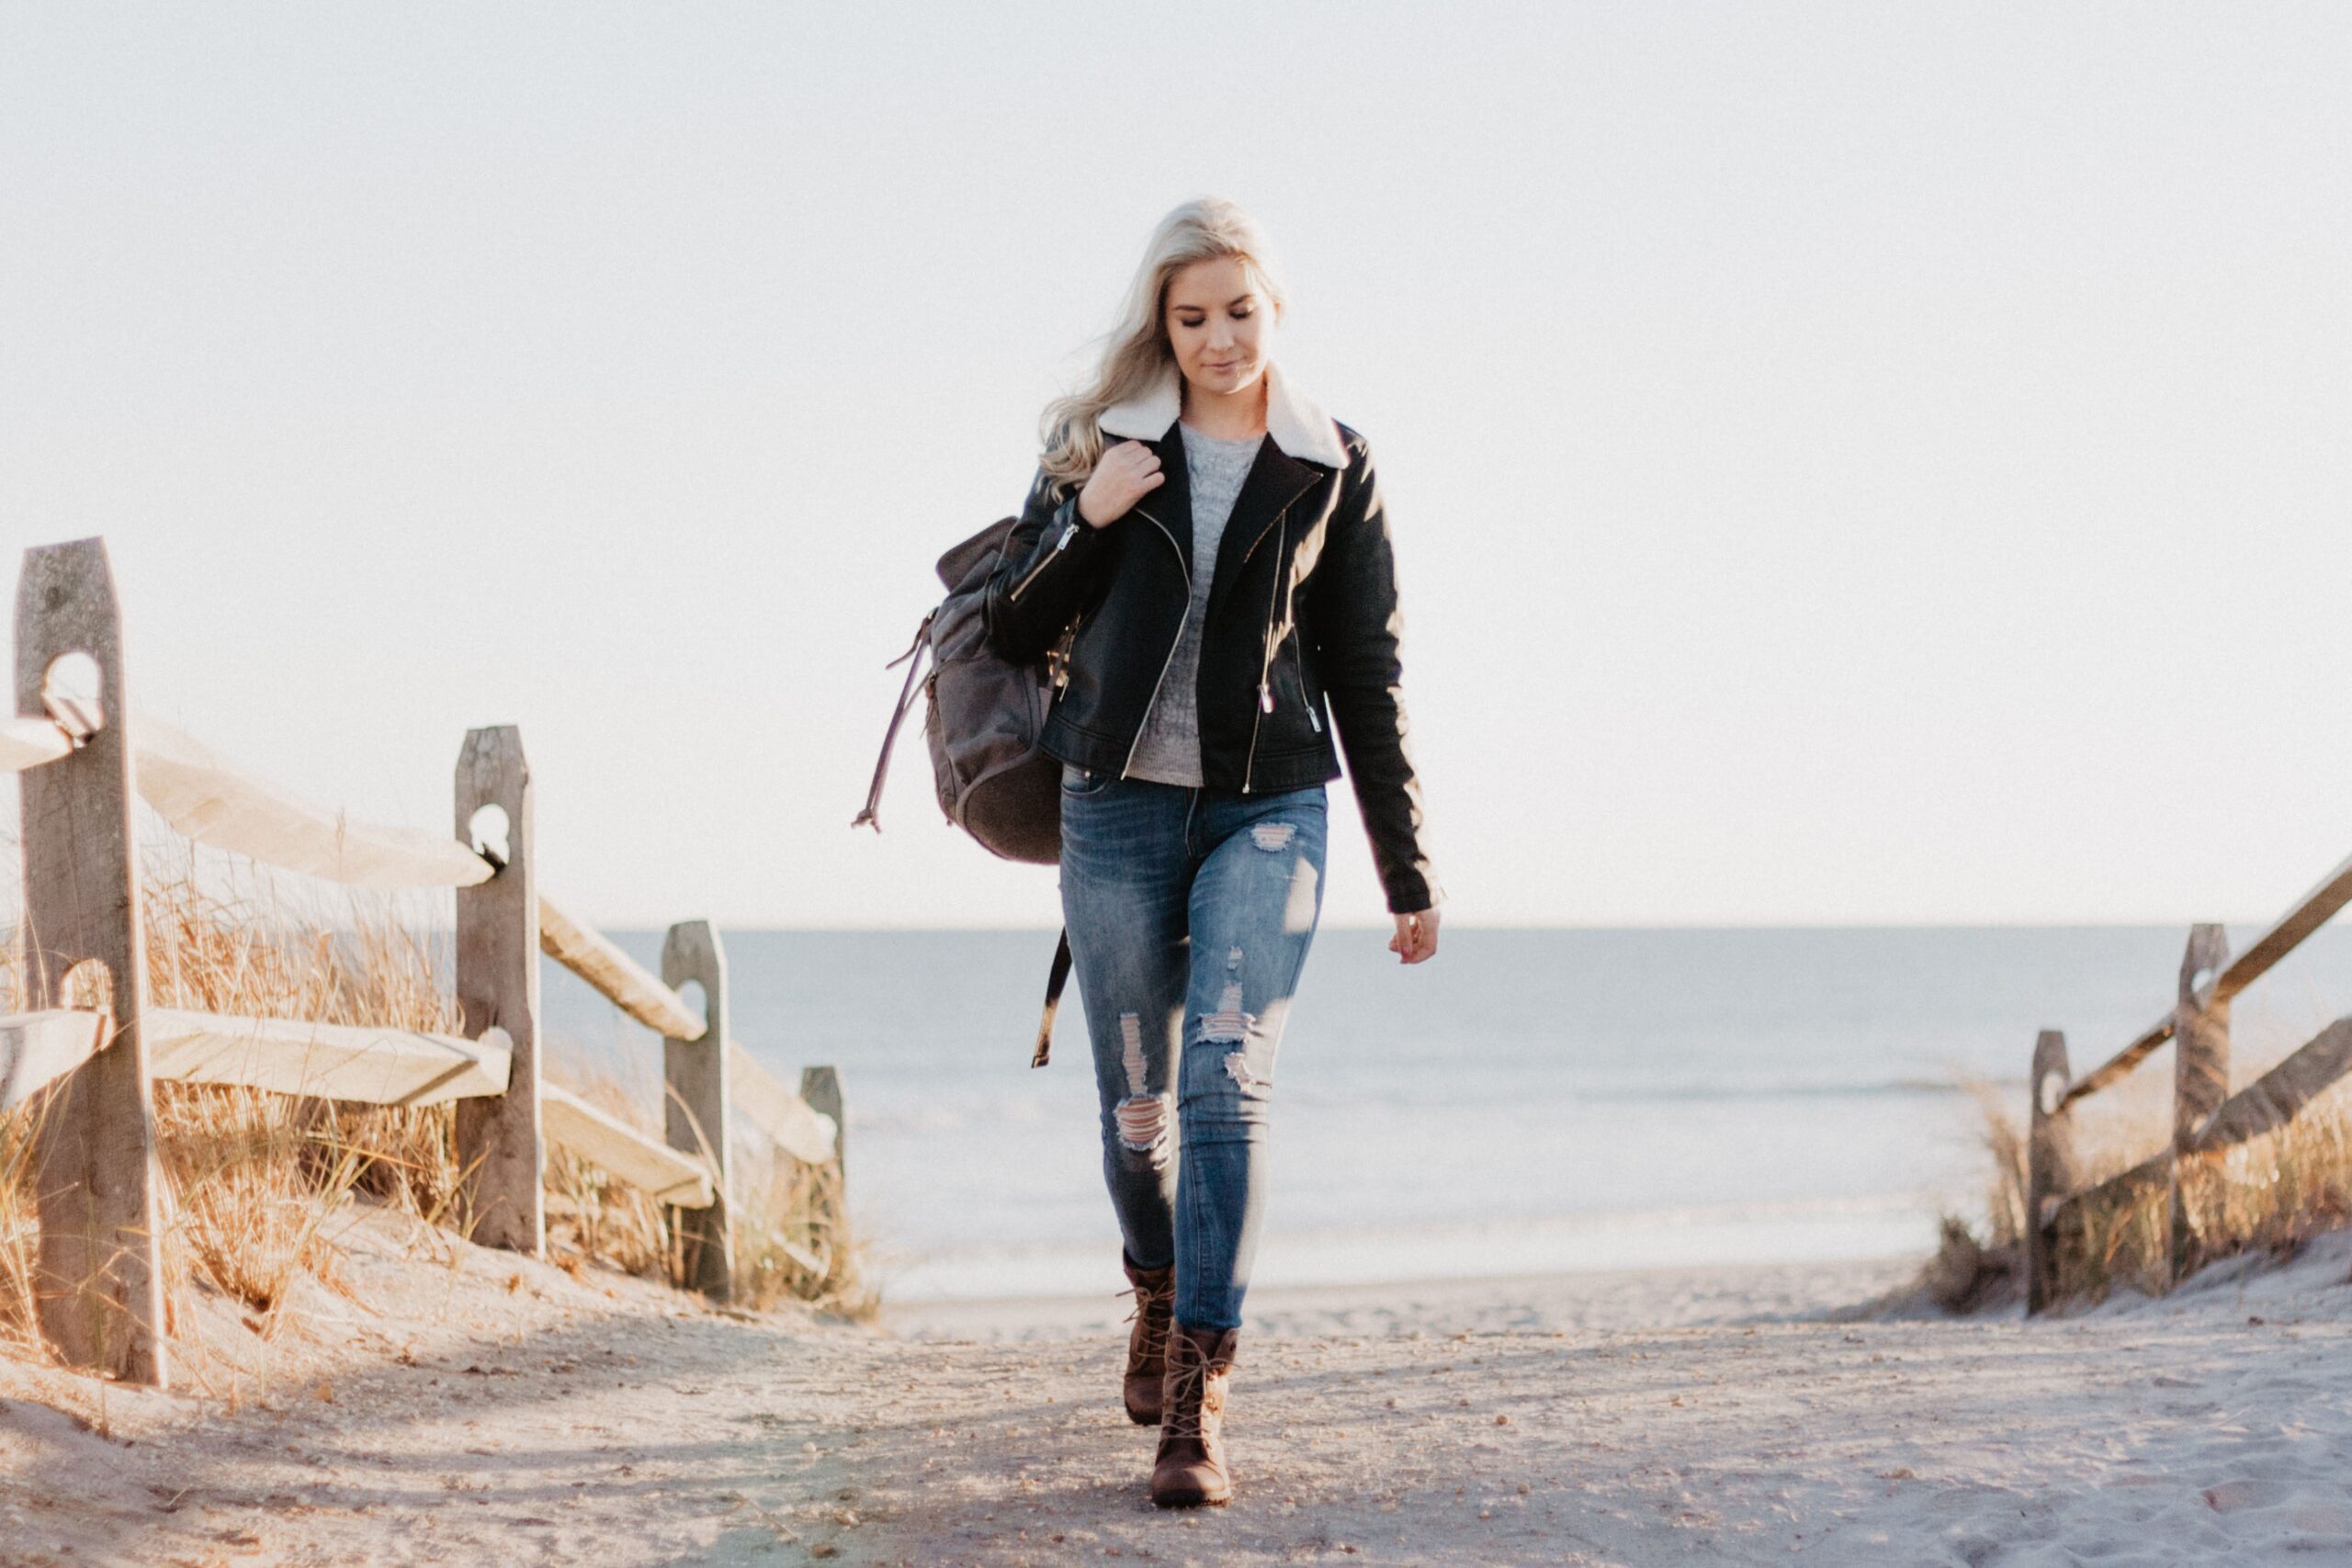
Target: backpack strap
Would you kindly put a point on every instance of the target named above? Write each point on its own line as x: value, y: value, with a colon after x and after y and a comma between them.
x: 1053, y: 999
x: 913, y: 662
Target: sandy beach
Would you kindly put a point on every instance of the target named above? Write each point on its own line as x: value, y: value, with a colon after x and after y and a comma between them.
x: 486, y: 1409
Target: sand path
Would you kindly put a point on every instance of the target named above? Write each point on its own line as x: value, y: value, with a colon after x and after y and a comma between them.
x: 596, y: 1421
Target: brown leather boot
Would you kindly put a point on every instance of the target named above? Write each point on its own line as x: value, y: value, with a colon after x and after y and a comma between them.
x: 1190, y: 1469
x: 1148, y: 1341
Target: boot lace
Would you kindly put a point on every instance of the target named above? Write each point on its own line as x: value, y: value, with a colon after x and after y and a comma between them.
x: 1182, y: 1407
x: 1192, y: 1397
x: 1152, y: 1310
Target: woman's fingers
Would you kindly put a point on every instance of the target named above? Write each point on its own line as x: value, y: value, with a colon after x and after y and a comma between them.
x: 1415, y: 937
x: 1127, y: 471
x: 1135, y: 471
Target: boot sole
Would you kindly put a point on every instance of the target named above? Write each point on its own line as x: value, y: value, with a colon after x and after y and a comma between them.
x: 1193, y: 1500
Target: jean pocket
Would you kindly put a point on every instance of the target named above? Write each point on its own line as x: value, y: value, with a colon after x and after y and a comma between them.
x: 1085, y: 781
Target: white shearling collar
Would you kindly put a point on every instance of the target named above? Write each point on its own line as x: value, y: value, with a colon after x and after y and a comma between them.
x: 1297, y: 425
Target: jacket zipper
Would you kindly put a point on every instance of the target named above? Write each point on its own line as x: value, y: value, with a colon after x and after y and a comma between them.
x: 1070, y: 531
x: 1173, y: 647
x: 1266, y: 664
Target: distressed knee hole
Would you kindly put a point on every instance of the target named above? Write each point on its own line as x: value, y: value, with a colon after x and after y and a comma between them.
x: 1131, y: 1051
x: 1142, y: 1117
x: 1237, y: 1067
x: 1142, y: 1121
x: 1273, y: 835
x: 1228, y: 1021
x: 1233, y: 960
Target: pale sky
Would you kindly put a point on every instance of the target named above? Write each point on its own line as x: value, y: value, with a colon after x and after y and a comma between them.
x: 1850, y: 463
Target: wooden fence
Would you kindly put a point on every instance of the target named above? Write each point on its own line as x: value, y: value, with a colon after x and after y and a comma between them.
x: 2207, y: 1118
x: 82, y: 762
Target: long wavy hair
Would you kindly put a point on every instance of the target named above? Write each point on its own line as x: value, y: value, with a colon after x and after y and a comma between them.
x: 1135, y: 353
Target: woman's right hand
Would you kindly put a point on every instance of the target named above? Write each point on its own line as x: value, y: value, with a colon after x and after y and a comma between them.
x: 1126, y: 474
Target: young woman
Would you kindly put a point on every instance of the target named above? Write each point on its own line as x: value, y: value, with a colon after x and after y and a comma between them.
x: 1214, y: 548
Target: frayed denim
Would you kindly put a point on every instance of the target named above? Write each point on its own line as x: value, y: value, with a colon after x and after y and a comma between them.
x: 1189, y: 913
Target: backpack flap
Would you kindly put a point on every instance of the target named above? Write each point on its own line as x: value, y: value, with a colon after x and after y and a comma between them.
x: 979, y: 553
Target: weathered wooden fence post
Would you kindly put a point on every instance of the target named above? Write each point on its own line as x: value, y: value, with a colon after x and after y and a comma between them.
x: 822, y: 1088
x: 498, y: 1137
x: 697, y: 1107
x: 2048, y: 1165
x: 100, y: 1285
x: 2200, y: 1079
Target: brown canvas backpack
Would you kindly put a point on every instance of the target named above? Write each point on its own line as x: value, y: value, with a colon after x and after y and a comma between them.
x: 983, y: 715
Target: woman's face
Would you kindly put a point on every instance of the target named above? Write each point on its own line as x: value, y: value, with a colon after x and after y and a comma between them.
x: 1216, y: 321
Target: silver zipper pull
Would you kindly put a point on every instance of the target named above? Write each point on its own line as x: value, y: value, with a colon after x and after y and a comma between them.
x: 1266, y: 697
x: 1070, y: 531
x: 1315, y: 721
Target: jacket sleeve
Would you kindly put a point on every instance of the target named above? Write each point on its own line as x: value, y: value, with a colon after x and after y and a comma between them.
x: 1357, y: 626
x: 1051, y: 559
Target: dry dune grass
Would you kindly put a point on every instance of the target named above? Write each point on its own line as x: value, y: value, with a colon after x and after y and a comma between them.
x: 2271, y: 1194
x: 18, y: 1237
x: 792, y: 1244
x: 797, y: 1244
x: 251, y: 1178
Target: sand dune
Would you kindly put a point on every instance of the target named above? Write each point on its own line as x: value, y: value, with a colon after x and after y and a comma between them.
x: 1617, y: 1420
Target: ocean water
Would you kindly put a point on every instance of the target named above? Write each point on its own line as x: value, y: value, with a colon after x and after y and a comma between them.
x: 1530, y: 1102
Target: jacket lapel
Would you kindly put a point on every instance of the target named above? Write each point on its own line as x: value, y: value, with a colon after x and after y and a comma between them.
x: 1171, y: 502
x: 1275, y: 480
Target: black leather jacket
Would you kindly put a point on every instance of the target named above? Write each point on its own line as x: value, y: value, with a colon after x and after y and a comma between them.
x: 1301, y: 612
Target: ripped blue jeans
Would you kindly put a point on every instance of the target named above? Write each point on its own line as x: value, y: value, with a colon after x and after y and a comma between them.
x: 1190, y: 912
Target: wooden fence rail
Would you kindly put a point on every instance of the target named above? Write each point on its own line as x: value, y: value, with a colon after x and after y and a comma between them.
x: 82, y: 759
x: 2207, y: 1118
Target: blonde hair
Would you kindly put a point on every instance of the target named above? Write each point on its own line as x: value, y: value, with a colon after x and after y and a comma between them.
x: 1135, y: 354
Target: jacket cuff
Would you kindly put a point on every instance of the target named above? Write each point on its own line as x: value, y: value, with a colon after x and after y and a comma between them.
x: 1412, y: 898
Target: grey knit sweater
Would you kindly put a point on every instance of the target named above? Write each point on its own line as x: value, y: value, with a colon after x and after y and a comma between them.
x: 1168, y: 749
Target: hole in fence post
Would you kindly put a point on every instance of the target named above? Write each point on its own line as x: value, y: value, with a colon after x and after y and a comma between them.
x: 697, y: 1000
x: 486, y: 832
x: 2053, y: 1092
x: 88, y: 986
x: 73, y: 690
